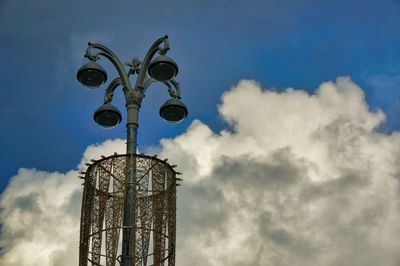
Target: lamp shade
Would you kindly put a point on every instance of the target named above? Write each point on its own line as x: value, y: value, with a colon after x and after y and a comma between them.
x: 107, y: 116
x: 173, y: 110
x: 163, y: 68
x: 92, y: 75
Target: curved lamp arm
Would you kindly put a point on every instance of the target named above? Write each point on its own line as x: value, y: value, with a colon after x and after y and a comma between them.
x: 150, y: 53
x: 176, y: 92
x: 177, y: 89
x: 104, y: 51
x: 108, y: 95
x: 147, y: 83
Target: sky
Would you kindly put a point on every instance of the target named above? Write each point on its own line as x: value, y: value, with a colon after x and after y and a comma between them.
x: 290, y: 152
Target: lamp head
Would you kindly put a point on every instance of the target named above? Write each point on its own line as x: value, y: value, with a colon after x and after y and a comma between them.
x: 163, y: 68
x: 173, y: 110
x: 107, y: 116
x: 92, y: 75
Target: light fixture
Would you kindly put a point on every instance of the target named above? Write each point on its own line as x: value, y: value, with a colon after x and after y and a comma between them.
x: 107, y: 116
x: 163, y: 68
x: 92, y: 75
x: 173, y: 110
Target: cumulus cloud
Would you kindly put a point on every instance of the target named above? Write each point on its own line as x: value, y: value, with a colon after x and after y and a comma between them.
x: 297, y: 179
x: 40, y: 213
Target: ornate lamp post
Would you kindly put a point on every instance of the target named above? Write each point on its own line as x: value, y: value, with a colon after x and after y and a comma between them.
x: 160, y: 69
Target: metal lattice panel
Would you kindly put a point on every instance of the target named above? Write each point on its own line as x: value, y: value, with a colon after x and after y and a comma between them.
x: 102, y: 211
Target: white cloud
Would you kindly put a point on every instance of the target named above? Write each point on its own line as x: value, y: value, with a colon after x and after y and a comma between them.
x: 106, y: 148
x: 39, y: 218
x: 299, y: 179
x: 40, y: 214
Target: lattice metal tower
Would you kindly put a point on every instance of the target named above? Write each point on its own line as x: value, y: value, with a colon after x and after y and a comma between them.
x: 132, y: 193
x: 102, y: 207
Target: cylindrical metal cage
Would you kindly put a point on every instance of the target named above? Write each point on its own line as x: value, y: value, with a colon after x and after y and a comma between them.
x: 102, y: 211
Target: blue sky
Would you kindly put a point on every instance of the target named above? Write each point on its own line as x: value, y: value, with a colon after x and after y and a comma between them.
x: 47, y: 114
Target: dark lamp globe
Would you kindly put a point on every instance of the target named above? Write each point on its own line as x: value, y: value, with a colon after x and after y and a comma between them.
x: 163, y: 68
x: 107, y: 116
x: 92, y: 75
x: 173, y: 110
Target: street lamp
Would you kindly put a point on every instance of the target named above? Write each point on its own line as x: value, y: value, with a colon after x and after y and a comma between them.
x: 173, y: 110
x: 107, y: 116
x: 92, y: 75
x: 161, y: 69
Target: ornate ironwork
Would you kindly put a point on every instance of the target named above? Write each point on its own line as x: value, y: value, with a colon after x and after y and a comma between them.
x: 102, y: 210
x: 132, y: 97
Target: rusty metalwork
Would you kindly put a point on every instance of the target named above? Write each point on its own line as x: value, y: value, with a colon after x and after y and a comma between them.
x: 102, y: 211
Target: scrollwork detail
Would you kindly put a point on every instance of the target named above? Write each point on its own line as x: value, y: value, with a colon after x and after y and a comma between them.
x: 132, y: 98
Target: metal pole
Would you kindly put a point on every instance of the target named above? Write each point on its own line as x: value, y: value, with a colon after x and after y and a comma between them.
x: 129, y: 221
